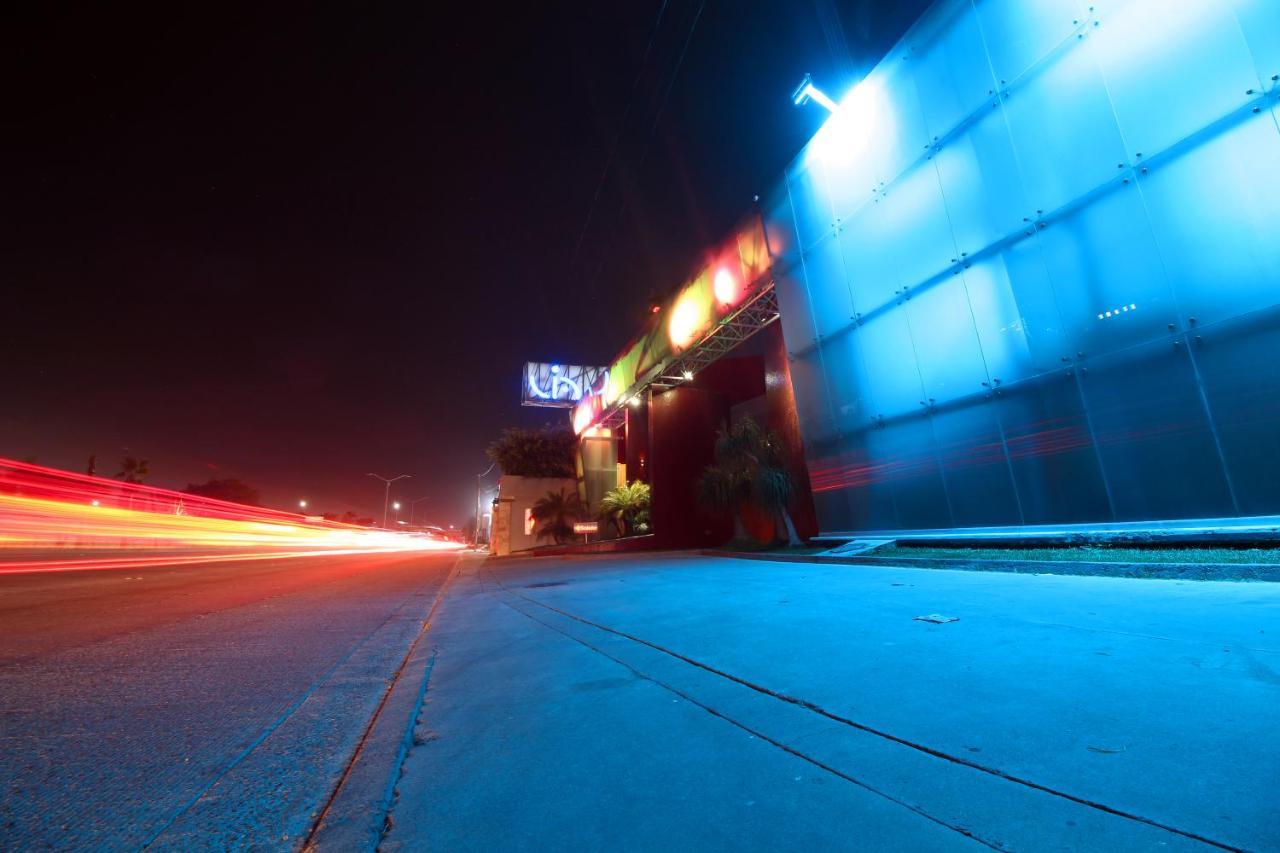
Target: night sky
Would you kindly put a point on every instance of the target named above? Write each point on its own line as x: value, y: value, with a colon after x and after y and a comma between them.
x: 297, y: 244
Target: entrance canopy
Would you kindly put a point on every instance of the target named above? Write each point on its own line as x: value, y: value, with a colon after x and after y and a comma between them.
x: 729, y: 300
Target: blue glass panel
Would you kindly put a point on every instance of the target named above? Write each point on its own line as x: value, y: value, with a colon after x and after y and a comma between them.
x: 1055, y: 465
x: 983, y: 191
x: 946, y: 342
x: 808, y: 378
x: 1260, y: 22
x: 832, y: 507
x: 917, y: 234
x: 828, y: 287
x: 1019, y: 33
x: 1237, y: 362
x: 1171, y: 68
x: 780, y: 226
x: 901, y: 131
x: 1107, y: 275
x: 853, y: 146
x: 847, y: 486
x: 893, y: 380
x: 971, y: 453
x: 1158, y: 452
x: 950, y: 63
x: 1015, y: 314
x: 810, y: 200
x: 794, y: 310
x: 1064, y: 130
x: 847, y: 386
x: 873, y: 280
x: 905, y: 461
x: 1215, y: 211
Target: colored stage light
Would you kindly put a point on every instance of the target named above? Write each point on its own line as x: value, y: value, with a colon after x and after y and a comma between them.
x: 726, y: 287
x: 684, y: 323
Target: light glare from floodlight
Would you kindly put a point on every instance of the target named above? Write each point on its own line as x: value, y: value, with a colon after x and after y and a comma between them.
x: 807, y: 92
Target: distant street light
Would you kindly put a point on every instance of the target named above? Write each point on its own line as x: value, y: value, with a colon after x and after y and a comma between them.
x: 396, y: 506
x: 386, y: 500
x: 413, y: 505
x: 302, y: 504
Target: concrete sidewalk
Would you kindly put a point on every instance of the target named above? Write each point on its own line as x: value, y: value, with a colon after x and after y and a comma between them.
x: 694, y: 702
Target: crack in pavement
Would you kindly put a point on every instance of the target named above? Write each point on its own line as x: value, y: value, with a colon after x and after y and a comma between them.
x: 994, y: 845
x: 863, y: 727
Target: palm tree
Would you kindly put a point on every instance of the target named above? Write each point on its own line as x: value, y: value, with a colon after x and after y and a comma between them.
x: 626, y: 505
x: 555, y: 513
x: 750, y: 466
x: 722, y: 491
x: 133, y: 470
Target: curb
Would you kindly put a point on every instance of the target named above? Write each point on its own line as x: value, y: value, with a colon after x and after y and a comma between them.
x: 355, y: 816
x: 1266, y: 572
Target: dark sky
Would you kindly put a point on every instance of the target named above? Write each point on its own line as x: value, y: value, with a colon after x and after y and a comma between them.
x: 294, y: 244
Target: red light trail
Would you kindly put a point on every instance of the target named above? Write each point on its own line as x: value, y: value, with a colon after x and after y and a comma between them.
x: 45, y: 512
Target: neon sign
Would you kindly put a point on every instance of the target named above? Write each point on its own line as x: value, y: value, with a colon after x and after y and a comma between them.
x: 560, y: 386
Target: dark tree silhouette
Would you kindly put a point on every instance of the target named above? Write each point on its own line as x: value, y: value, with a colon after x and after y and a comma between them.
x: 535, y: 453
x: 133, y: 470
x: 231, y: 489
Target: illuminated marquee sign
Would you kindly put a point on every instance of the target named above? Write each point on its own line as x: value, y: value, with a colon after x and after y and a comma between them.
x: 560, y: 386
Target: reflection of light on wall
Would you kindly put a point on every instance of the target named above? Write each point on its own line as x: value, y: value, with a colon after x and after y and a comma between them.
x: 726, y: 287
x: 584, y: 413
x: 684, y: 323
x: 845, y: 135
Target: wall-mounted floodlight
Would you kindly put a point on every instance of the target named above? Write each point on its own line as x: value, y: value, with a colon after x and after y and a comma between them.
x: 807, y: 92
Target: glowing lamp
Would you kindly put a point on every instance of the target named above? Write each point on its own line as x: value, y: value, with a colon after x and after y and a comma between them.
x: 684, y: 323
x: 726, y: 287
x: 807, y: 92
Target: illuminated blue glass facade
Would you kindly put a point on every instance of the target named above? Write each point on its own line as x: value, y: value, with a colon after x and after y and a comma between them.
x: 1029, y: 272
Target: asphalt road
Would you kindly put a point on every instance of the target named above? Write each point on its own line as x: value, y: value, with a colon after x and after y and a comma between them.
x: 195, y: 707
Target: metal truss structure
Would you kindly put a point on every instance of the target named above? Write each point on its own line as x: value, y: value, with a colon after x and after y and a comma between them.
x: 735, y: 329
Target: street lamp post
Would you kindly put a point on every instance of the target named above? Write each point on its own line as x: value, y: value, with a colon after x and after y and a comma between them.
x: 386, y: 500
x: 480, y: 500
x: 396, y: 506
x: 413, y: 506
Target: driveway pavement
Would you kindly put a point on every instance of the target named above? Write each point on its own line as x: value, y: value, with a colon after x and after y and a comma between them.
x: 681, y: 702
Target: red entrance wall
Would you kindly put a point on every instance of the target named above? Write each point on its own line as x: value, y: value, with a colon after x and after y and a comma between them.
x: 682, y: 435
